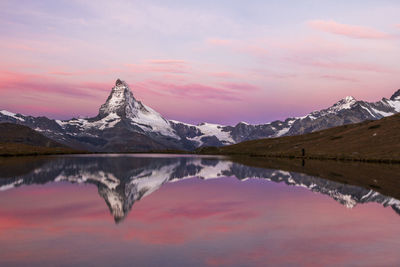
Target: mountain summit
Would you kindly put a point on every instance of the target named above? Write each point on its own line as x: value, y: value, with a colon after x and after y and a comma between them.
x: 120, y: 101
x: 396, y: 96
x: 125, y: 124
x: 122, y: 104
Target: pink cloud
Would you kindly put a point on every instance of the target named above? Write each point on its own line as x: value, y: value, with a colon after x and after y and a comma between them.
x: 158, y: 66
x: 168, y: 69
x: 34, y: 46
x: 201, y: 210
x: 35, y: 94
x: 86, y: 72
x: 351, y: 31
x: 240, y: 86
x: 190, y: 90
x: 63, y: 73
x: 240, y: 46
x: 44, y: 84
x: 254, y: 50
x: 225, y: 74
x: 166, y: 61
x: 338, y: 78
x: 219, y: 42
x: 332, y: 64
x: 221, y: 91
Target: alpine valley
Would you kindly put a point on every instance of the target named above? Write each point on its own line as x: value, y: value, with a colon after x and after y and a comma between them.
x: 125, y: 124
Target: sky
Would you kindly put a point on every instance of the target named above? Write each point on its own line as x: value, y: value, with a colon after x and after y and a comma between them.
x: 195, y: 61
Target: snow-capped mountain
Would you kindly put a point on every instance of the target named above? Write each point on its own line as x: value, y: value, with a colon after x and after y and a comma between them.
x: 125, y: 124
x: 121, y: 181
x: 121, y: 105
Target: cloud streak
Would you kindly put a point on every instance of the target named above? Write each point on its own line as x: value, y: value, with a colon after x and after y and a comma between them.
x: 341, y: 65
x: 351, y: 31
x: 221, y: 91
x: 160, y: 66
x: 166, y: 61
x: 253, y: 48
x: 42, y: 84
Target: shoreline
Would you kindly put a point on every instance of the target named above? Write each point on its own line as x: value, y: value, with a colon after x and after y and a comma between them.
x: 317, y: 157
x: 230, y: 155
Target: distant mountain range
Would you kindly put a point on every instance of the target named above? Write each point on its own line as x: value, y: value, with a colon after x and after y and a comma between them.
x: 374, y: 141
x: 121, y: 181
x: 124, y: 124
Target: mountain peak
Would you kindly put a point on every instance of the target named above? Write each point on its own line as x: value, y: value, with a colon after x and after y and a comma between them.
x: 120, y: 100
x: 349, y: 99
x: 120, y: 82
x: 121, y: 103
x: 344, y: 103
x: 395, y: 96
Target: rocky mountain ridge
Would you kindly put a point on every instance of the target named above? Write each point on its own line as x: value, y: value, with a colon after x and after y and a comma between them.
x: 125, y: 124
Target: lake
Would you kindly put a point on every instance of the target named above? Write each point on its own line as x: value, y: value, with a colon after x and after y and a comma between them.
x: 184, y: 210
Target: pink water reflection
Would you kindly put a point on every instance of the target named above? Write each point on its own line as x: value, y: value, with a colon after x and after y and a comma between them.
x: 194, y: 222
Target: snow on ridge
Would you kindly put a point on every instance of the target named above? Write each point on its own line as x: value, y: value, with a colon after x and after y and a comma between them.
x: 120, y: 94
x: 11, y: 185
x: 141, y: 115
x: 184, y: 123
x: 210, y: 129
x: 282, y: 131
x: 61, y: 123
x: 345, y: 103
x: 107, y: 122
x: 206, y: 171
x: 107, y: 179
x: 7, y: 113
x: 12, y: 115
x: 110, y: 121
x: 154, y: 119
x: 152, y: 180
x: 212, y: 172
x: 382, y: 113
x: 395, y: 104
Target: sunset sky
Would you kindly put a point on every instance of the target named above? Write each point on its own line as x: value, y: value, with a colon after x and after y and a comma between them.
x: 194, y: 61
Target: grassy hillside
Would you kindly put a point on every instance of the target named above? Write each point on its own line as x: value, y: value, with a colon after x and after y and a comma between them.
x: 18, y: 140
x: 371, y: 140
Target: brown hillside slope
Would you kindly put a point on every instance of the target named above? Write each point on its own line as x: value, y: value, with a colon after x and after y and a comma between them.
x: 371, y: 140
x: 21, y: 140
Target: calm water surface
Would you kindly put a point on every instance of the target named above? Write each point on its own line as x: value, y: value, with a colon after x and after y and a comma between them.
x: 154, y: 210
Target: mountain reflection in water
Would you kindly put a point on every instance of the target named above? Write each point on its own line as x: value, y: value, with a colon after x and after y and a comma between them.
x: 124, y: 179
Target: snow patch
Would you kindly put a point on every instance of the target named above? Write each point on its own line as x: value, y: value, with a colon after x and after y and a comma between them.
x: 12, y: 115
x: 395, y: 105
x: 282, y: 132
x: 153, y: 119
x: 11, y: 185
x: 210, y: 129
x: 345, y: 103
